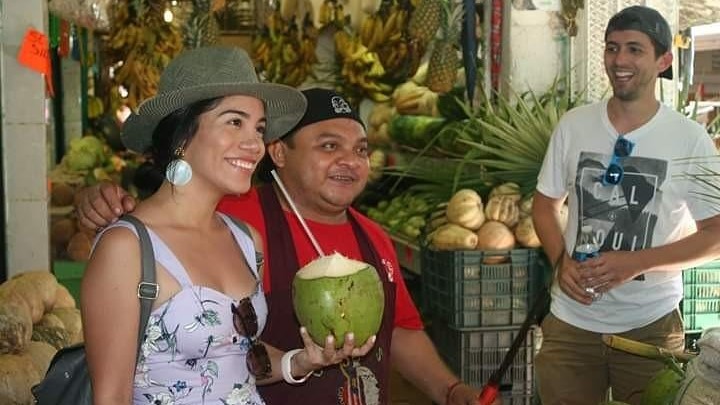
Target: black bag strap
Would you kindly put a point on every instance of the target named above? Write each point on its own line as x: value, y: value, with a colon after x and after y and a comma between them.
x: 148, y: 289
x: 259, y: 256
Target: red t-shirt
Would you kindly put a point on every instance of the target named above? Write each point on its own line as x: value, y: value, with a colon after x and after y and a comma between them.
x: 331, y: 238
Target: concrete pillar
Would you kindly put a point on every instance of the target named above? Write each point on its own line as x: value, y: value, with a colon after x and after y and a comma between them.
x: 24, y: 141
x: 532, y: 50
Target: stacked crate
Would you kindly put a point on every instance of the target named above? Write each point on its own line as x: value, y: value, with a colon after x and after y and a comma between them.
x: 701, y: 302
x: 477, y: 301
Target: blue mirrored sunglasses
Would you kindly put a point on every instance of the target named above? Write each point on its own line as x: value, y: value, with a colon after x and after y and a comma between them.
x: 615, y: 172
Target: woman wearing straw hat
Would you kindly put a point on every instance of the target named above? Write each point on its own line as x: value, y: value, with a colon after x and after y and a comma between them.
x: 205, y: 129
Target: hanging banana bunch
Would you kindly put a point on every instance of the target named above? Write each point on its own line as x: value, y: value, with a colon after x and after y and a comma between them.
x: 137, y: 49
x: 284, y: 54
x: 569, y: 14
x: 385, y: 32
x: 332, y: 12
x: 361, y: 71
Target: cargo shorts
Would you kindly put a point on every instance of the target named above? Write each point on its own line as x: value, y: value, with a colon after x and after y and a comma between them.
x: 575, y: 367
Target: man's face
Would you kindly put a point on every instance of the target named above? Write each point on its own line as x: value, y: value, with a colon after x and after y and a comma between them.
x: 631, y: 64
x: 325, y: 166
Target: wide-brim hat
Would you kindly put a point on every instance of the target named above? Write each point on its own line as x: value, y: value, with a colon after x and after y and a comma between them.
x: 206, y: 73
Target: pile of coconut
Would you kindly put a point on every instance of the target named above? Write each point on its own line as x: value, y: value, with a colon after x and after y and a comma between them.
x: 68, y: 238
x: 38, y: 316
x: 502, y: 223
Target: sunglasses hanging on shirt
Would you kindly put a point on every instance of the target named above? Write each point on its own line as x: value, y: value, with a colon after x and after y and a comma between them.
x: 614, y: 173
x: 245, y: 321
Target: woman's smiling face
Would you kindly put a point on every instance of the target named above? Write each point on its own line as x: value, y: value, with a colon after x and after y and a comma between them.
x: 228, y: 143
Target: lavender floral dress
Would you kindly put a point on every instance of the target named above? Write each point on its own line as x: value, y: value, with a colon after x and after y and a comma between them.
x: 191, y: 353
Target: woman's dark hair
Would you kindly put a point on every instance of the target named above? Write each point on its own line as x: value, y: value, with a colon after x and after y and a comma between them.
x: 174, y: 131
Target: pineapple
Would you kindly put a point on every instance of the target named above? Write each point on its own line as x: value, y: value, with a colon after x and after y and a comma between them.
x: 202, y: 28
x: 444, y: 62
x: 425, y: 21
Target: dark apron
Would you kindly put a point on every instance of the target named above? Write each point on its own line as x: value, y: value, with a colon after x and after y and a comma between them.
x: 363, y: 381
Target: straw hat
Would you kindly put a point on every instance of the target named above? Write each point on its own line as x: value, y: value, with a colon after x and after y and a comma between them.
x: 209, y: 72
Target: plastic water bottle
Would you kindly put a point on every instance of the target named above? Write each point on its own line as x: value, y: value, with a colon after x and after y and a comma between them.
x: 587, y: 248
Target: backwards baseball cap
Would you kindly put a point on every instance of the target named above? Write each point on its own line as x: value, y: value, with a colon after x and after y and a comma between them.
x: 324, y: 104
x: 648, y: 21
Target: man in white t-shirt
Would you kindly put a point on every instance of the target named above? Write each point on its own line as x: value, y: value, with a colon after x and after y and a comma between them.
x: 619, y: 164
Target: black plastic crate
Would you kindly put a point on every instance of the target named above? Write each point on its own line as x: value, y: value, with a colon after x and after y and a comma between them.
x: 701, y: 301
x: 474, y: 354
x: 467, y: 291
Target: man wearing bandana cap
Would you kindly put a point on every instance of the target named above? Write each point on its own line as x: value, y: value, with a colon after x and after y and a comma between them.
x: 323, y: 164
x: 619, y: 164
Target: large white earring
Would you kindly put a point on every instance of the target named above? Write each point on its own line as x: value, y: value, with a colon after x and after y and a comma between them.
x: 179, y: 171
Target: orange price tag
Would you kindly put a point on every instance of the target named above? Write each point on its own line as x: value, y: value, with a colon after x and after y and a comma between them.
x: 35, y: 54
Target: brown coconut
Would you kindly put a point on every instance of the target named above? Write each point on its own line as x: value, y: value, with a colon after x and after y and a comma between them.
x: 61, y: 194
x: 43, y: 283
x: 79, y: 247
x: 494, y: 235
x: 63, y: 298
x: 40, y: 354
x: 72, y: 321
x: 17, y: 376
x: 15, y: 322
x: 56, y: 337
x: 61, y: 230
x: 50, y: 320
x: 32, y: 296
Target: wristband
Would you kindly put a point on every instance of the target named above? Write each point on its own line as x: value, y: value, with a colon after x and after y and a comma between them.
x: 450, y: 390
x: 286, y: 366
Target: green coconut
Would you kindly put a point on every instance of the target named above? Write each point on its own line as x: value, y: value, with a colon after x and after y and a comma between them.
x: 663, y: 387
x: 334, y: 295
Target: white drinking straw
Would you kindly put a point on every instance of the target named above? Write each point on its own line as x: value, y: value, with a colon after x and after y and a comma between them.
x: 297, y: 213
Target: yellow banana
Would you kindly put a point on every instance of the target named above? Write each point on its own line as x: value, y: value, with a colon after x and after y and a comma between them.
x: 366, y: 29
x: 391, y: 60
x: 376, y: 70
x: 288, y: 54
x: 377, y: 38
x: 338, y: 13
x: 326, y: 13
x: 379, y: 97
x: 359, y: 53
x: 390, y: 24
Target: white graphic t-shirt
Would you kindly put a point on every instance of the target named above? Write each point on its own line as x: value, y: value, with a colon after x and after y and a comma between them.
x: 653, y: 205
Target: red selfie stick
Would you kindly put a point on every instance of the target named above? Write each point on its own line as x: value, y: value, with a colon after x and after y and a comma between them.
x: 489, y: 394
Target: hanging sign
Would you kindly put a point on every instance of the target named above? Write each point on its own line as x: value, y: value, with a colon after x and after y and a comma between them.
x: 35, y: 54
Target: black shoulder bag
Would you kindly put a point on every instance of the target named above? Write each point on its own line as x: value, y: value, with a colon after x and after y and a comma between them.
x: 67, y: 381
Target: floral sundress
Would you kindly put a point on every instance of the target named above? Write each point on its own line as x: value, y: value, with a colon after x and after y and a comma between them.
x: 191, y: 353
